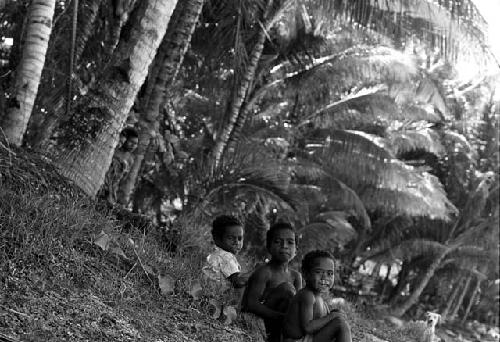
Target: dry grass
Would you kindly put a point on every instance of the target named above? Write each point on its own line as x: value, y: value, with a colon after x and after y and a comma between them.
x: 56, y: 284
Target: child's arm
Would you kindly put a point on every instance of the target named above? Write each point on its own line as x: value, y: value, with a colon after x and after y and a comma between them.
x: 297, y: 280
x: 255, y: 290
x: 306, y: 308
x: 238, y: 280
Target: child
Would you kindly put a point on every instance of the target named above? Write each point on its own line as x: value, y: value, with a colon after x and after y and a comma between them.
x: 309, y: 319
x: 222, y: 266
x: 272, y: 285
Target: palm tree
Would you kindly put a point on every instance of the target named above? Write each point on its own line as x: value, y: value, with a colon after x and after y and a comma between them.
x: 52, y: 93
x: 169, y: 59
x: 100, y: 115
x: 29, y: 70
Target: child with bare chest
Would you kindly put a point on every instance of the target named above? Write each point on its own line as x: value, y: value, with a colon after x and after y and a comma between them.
x: 272, y: 285
x: 308, y: 318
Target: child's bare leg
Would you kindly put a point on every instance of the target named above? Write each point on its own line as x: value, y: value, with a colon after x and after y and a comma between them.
x: 337, y: 330
x: 278, y: 299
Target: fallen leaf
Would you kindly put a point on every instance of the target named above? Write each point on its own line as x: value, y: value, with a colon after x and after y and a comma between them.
x: 229, y: 314
x: 148, y: 269
x: 166, y: 283
x: 118, y: 251
x: 196, y: 290
x: 102, y: 240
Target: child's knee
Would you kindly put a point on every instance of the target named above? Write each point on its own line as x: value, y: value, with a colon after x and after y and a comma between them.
x: 341, y: 323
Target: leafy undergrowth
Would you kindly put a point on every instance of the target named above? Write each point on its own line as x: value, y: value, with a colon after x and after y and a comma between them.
x: 71, y: 272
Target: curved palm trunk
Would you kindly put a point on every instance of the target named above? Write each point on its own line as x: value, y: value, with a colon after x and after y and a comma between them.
x: 460, y: 298
x: 240, y: 94
x: 114, y: 96
x: 451, y: 299
x: 415, y: 295
x: 173, y: 48
x: 158, y: 60
x: 471, y: 300
x: 402, y: 276
x: 29, y: 70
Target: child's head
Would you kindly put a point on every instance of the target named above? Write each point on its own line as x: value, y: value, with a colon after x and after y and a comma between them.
x: 281, y: 242
x: 318, y: 268
x: 129, y: 139
x: 227, y: 232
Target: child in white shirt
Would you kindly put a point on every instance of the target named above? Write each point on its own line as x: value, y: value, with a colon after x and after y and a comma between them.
x: 222, y: 266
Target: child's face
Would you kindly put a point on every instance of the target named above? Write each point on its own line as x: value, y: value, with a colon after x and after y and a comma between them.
x: 282, y: 246
x: 232, y: 239
x: 321, y: 276
x: 131, y: 144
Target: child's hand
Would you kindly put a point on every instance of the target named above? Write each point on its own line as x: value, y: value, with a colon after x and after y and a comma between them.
x: 337, y: 314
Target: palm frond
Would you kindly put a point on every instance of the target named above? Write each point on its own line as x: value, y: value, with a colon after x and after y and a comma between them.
x: 306, y: 171
x: 473, y: 253
x: 411, y: 249
x: 410, y: 140
x: 331, y: 235
x: 353, y: 66
x: 451, y: 30
x: 363, y: 163
x: 401, y: 202
x: 265, y: 181
x: 308, y: 194
x: 428, y: 92
x: 341, y: 197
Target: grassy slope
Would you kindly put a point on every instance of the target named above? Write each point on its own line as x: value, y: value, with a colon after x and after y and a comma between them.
x: 57, y: 285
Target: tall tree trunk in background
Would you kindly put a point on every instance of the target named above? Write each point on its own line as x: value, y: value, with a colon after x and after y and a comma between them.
x: 240, y: 93
x: 400, y: 310
x: 29, y: 70
x: 451, y: 298
x: 87, y: 15
x: 460, y: 299
x: 102, y: 114
x: 396, y: 291
x: 120, y: 12
x: 471, y: 300
x: 172, y: 49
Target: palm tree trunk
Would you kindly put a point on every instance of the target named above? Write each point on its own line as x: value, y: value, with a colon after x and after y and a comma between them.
x: 471, y: 300
x: 451, y: 298
x: 113, y: 96
x: 173, y: 48
x: 240, y: 94
x: 402, y: 275
x: 121, y: 10
x: 460, y: 299
x: 88, y: 15
x: 400, y: 310
x: 29, y: 70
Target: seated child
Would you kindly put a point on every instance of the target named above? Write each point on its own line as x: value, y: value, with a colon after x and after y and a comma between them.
x: 272, y: 285
x: 222, y: 266
x: 308, y: 318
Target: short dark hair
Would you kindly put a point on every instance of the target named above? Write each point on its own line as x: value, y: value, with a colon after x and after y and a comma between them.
x: 309, y: 258
x: 277, y: 227
x: 130, y: 132
x: 220, y: 224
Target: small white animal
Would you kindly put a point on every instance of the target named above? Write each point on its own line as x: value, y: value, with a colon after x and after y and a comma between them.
x: 432, y: 319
